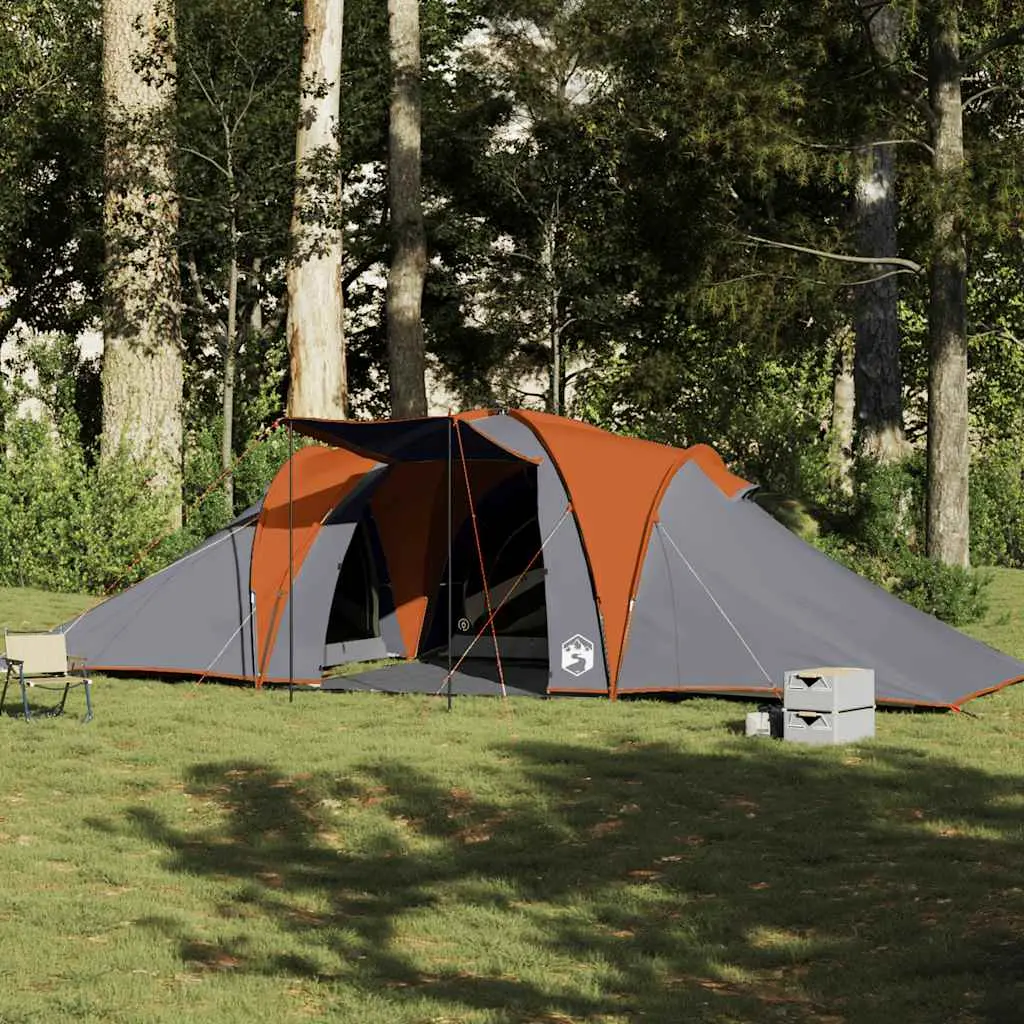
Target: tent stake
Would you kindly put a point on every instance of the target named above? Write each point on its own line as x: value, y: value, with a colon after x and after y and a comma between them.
x: 449, y: 684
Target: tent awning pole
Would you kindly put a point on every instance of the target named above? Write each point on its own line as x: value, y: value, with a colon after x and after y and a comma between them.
x: 450, y: 597
x: 291, y: 559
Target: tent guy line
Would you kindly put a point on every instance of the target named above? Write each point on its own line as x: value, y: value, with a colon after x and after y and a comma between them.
x: 508, y: 593
x: 479, y: 550
x: 715, y: 602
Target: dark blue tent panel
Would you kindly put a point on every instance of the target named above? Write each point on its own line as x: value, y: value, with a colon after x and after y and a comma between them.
x: 423, y: 440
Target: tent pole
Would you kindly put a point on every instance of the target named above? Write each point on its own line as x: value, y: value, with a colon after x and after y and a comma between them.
x: 449, y: 684
x: 291, y: 562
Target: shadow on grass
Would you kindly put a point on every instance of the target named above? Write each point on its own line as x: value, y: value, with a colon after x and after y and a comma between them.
x: 760, y: 884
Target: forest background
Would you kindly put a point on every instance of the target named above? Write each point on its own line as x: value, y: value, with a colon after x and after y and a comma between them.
x: 791, y: 231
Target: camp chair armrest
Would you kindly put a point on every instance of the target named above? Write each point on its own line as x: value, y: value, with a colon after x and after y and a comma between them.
x: 76, y: 664
x: 11, y: 662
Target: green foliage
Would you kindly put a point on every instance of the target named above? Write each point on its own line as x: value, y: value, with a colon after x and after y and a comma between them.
x: 50, y: 164
x: 66, y: 525
x: 888, y: 507
x: 880, y: 536
x: 49, y: 369
x: 204, y: 499
x: 954, y: 595
x: 948, y: 592
x: 997, y: 505
x: 764, y: 412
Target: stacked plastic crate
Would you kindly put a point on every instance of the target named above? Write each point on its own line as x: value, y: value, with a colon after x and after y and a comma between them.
x: 829, y: 705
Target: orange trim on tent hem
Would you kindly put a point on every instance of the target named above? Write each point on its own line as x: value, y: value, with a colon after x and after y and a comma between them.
x: 775, y: 690
x: 702, y: 689
x: 194, y: 675
x: 190, y: 673
x: 991, y: 689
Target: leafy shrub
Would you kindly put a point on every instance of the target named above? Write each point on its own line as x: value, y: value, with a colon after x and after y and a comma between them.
x: 948, y: 592
x: 70, y: 526
x: 887, y: 512
x: 205, y: 501
x: 997, y: 506
x: 879, y: 538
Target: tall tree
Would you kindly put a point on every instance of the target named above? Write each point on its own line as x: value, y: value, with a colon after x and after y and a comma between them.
x: 142, y: 363
x: 51, y: 248
x: 237, y: 96
x: 948, y: 443
x: 542, y: 178
x: 316, y: 338
x: 406, y: 358
x: 877, y: 376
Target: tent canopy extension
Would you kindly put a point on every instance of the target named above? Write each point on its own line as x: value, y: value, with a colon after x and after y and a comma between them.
x: 606, y: 565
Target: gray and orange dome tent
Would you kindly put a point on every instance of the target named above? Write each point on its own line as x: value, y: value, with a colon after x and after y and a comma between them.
x: 541, y: 554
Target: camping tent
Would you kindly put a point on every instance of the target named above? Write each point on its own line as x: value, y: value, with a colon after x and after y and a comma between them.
x: 560, y: 558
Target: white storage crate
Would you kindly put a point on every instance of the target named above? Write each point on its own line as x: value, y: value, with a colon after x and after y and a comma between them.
x: 825, y: 728
x: 829, y: 689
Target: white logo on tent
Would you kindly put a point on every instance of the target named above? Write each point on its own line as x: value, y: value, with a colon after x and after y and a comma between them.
x: 577, y: 655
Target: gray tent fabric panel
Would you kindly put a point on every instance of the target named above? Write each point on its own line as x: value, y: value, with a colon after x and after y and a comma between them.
x: 391, y: 637
x: 573, y: 623
x: 676, y: 634
x: 346, y: 651
x: 314, y: 592
x: 193, y: 617
x: 350, y: 511
x: 794, y: 607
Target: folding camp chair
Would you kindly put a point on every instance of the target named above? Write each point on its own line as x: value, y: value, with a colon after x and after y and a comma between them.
x: 41, y: 660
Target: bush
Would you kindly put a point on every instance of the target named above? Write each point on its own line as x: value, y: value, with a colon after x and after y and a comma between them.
x: 206, y: 509
x: 997, y: 506
x: 879, y: 538
x: 887, y: 513
x: 69, y: 526
x: 948, y: 592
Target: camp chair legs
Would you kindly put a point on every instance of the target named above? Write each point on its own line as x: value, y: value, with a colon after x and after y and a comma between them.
x: 64, y: 686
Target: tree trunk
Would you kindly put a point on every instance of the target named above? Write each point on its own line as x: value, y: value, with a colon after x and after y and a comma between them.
x: 227, y: 454
x: 843, y: 403
x: 948, y: 446
x: 548, y: 257
x: 877, y: 376
x: 406, y: 357
x: 142, y: 362
x: 316, y: 341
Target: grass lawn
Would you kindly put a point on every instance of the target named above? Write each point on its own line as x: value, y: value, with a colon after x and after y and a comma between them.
x: 209, y: 853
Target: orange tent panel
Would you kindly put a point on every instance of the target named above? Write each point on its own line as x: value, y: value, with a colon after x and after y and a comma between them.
x: 319, y: 479
x: 594, y: 464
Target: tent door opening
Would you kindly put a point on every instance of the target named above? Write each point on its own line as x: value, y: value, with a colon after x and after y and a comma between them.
x: 353, y: 626
x: 510, y: 542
